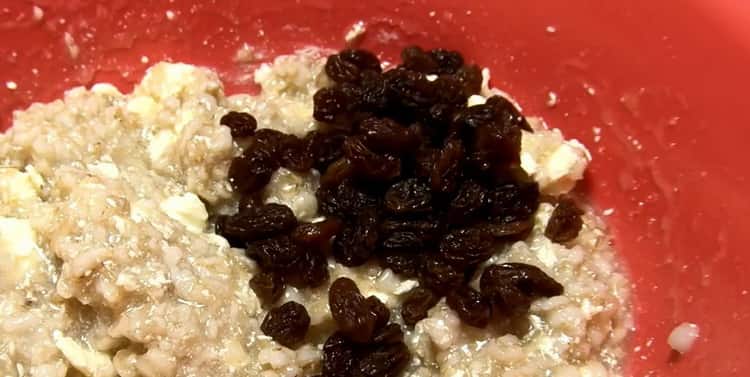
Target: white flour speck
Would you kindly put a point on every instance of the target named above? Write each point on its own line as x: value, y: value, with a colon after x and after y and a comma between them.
x: 551, y: 29
x: 144, y: 59
x: 11, y: 85
x: 355, y: 32
x: 552, y: 99
x: 70, y: 43
x: 170, y: 15
x: 37, y: 13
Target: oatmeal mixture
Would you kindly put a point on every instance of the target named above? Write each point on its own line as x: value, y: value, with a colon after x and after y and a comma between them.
x: 110, y: 265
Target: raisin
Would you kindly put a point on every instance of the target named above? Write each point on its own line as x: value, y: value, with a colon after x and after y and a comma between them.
x: 259, y: 222
x: 350, y: 311
x: 416, y: 59
x: 344, y: 200
x: 252, y: 171
x: 387, y: 360
x: 466, y: 247
x: 268, y: 286
x: 287, y: 324
x: 276, y: 253
x: 518, y: 199
x: 470, y: 306
x: 408, y: 196
x: 409, y: 90
x: 294, y: 155
x: 447, y: 168
x: 271, y: 141
x: 425, y: 161
x: 401, y: 262
x: 439, y: 275
x: 380, y: 311
x: 240, y: 124
x: 309, y: 272
x: 508, y: 113
x: 511, y: 287
x: 509, y: 228
x: 468, y: 202
x: 324, y: 148
x: 449, y: 91
x: 386, y: 136
x: 317, y: 236
x: 331, y: 105
x: 389, y: 334
x: 405, y: 241
x: 447, y: 61
x: 370, y: 165
x: 417, y: 302
x: 347, y: 66
x: 470, y: 76
x: 337, y: 172
x: 565, y: 222
x: 427, y: 229
x: 357, y: 241
x: 339, y: 359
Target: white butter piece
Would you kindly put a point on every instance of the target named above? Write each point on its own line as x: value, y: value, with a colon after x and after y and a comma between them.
x: 295, y: 191
x: 555, y: 163
x: 104, y: 169
x: 19, y: 252
x: 475, y: 100
x: 144, y: 106
x: 18, y: 188
x: 89, y: 362
x: 186, y: 209
x: 160, y: 144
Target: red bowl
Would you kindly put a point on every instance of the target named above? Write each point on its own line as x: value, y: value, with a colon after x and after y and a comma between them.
x: 654, y: 88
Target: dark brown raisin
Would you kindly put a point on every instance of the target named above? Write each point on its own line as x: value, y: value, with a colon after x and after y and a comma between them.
x: 467, y: 246
x: 509, y: 228
x: 416, y: 59
x: 447, y: 61
x: 416, y: 303
x: 425, y: 162
x: 311, y: 271
x: 380, y: 311
x: 344, y: 200
x: 404, y: 263
x: 403, y: 241
x: 295, y: 156
x: 470, y: 76
x: 348, y: 65
x: 252, y: 171
x: 287, y: 324
x: 447, y: 168
x: 468, y: 202
x: 324, y: 148
x: 339, y: 359
x: 509, y: 114
x: 350, y: 311
x: 439, y: 275
x: 427, y: 228
x: 331, y: 105
x: 565, y: 222
x: 386, y: 360
x: 357, y: 241
x: 389, y: 334
x: 511, y: 287
x: 268, y: 286
x: 276, y: 253
x: 370, y: 165
x: 259, y: 222
x: 241, y: 124
x: 408, y: 90
x: 337, y: 172
x: 386, y: 136
x: 518, y: 200
x: 408, y: 196
x: 470, y: 306
x: 317, y: 236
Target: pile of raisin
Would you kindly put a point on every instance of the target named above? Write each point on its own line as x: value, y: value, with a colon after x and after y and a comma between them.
x: 411, y: 177
x: 365, y: 344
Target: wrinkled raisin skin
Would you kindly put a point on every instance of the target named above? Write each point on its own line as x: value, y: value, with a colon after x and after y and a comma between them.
x: 350, y: 311
x: 268, y: 286
x: 416, y: 303
x: 511, y: 287
x: 259, y: 222
x: 408, y: 196
x: 287, y: 324
x: 439, y: 275
x: 339, y: 359
x: 471, y: 307
x: 240, y: 124
x: 387, y: 360
x: 467, y: 246
x: 357, y: 241
x: 565, y: 222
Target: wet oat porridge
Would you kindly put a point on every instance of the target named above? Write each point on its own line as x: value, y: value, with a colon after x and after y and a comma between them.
x: 346, y: 221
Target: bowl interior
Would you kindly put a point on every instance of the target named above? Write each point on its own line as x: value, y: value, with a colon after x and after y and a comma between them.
x: 657, y: 100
